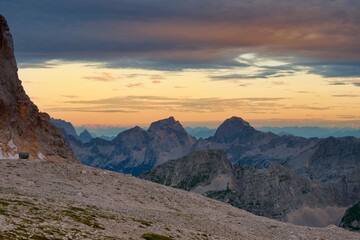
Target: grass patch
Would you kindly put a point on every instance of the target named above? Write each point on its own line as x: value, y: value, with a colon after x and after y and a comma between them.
x: 4, y: 203
x: 219, y: 195
x: 81, y: 215
x: 4, y: 212
x: 143, y: 222
x: 152, y: 236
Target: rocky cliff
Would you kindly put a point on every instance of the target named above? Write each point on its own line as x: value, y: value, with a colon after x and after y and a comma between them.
x: 274, y: 192
x: 199, y: 171
x: 22, y: 127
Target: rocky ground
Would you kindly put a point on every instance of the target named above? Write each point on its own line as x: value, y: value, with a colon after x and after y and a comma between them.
x: 45, y: 200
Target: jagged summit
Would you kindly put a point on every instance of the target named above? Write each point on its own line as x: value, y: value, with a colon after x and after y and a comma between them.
x: 85, y: 136
x: 232, y: 129
x: 169, y: 139
x: 134, y: 137
x: 22, y: 127
x: 166, y: 124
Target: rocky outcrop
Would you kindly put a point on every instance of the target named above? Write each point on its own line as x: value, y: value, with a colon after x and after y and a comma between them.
x: 22, y: 127
x: 199, y: 171
x: 351, y: 219
x: 330, y: 160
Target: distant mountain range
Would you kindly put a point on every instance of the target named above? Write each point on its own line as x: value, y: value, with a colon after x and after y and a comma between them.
x: 109, y: 133
x: 309, y: 132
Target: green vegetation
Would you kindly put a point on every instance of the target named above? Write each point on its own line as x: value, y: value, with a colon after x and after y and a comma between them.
x: 219, y: 195
x: 192, y: 182
x: 32, y: 219
x: 352, y: 216
x: 83, y: 216
x: 152, y: 236
x: 143, y: 223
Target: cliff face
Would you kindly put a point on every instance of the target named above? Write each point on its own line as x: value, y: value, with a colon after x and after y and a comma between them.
x: 274, y: 192
x: 22, y: 127
x: 200, y: 171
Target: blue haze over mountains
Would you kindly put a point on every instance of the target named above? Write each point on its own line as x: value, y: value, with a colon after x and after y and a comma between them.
x: 109, y: 133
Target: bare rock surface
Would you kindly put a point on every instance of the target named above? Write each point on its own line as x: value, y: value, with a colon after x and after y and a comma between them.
x: 42, y: 199
x: 22, y: 127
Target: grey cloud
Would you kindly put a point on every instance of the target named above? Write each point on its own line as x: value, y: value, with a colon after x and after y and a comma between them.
x: 102, y: 77
x: 128, y: 33
x: 346, y: 95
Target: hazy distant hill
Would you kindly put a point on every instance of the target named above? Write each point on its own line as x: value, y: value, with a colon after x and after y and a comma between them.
x: 200, y: 132
x: 308, y: 132
x: 107, y: 133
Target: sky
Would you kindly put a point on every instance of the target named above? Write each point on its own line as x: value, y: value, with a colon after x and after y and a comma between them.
x: 126, y: 62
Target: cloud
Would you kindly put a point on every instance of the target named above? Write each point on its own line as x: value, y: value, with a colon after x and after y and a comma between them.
x: 348, y: 116
x: 173, y: 104
x: 131, y: 85
x: 343, y: 82
x: 336, y: 69
x: 189, y: 34
x: 337, y: 83
x: 308, y: 107
x: 70, y: 96
x: 346, y: 95
x: 87, y: 109
x: 102, y: 77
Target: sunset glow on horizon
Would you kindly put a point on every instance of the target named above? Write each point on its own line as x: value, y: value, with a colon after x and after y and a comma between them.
x: 126, y: 63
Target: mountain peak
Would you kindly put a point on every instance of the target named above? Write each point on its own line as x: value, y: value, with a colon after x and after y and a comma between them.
x: 167, y: 123
x: 234, y: 128
x: 6, y: 42
x: 85, y: 136
x: 237, y: 121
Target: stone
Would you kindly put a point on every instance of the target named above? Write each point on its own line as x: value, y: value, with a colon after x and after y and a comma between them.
x: 24, y: 155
